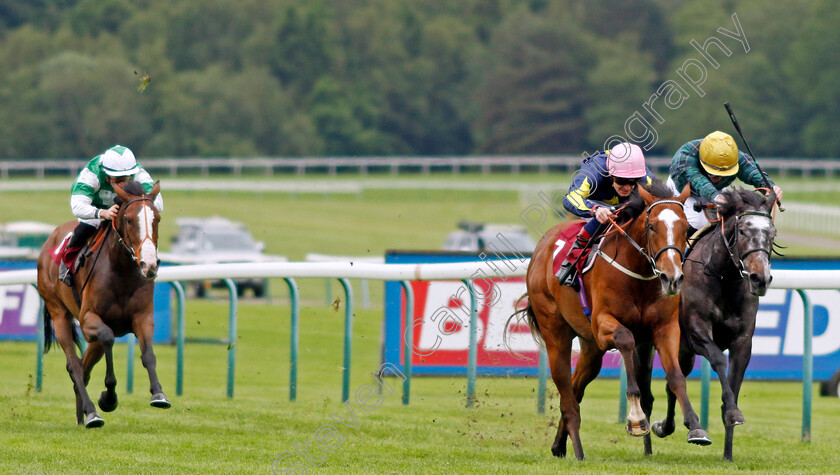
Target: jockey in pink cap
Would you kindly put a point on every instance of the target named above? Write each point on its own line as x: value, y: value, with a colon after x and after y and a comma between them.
x: 606, y: 179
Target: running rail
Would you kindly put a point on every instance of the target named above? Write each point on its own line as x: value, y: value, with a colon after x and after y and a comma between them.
x: 798, y: 280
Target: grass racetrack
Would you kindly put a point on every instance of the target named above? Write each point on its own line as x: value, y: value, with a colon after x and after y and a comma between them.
x: 205, y: 432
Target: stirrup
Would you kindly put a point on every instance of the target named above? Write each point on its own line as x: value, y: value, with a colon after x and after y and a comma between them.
x: 65, y: 275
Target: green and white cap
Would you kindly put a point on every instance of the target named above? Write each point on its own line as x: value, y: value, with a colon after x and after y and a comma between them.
x: 119, y: 161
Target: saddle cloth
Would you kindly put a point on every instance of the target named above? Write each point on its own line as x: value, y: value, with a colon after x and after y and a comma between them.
x: 565, y: 241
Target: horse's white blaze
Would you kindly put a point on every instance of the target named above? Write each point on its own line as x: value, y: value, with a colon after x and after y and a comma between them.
x: 669, y: 217
x: 761, y: 223
x: 148, y: 251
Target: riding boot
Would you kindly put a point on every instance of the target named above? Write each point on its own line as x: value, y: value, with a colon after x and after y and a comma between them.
x: 567, y: 268
x: 77, y: 240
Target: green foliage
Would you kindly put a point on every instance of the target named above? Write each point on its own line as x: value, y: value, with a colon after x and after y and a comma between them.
x: 362, y: 77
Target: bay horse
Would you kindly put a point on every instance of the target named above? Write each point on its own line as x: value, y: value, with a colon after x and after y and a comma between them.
x: 725, y: 274
x: 112, y: 296
x: 633, y: 288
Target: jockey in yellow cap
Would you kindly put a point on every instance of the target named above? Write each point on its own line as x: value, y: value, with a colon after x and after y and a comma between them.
x: 709, y: 165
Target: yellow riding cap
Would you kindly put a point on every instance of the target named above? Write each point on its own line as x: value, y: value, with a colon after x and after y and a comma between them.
x: 719, y: 154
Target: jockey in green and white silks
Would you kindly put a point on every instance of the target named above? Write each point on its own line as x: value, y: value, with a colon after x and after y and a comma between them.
x: 92, y: 198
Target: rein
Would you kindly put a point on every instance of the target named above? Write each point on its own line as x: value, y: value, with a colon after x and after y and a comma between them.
x: 646, y: 253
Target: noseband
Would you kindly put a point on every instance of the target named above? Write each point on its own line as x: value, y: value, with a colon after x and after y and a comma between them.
x: 646, y: 253
x: 135, y: 255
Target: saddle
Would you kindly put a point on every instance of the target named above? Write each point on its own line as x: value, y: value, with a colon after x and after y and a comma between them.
x: 74, y: 259
x: 692, y: 240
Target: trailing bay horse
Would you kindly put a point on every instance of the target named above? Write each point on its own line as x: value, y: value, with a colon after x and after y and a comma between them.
x: 633, y: 289
x: 112, y: 296
x: 725, y: 274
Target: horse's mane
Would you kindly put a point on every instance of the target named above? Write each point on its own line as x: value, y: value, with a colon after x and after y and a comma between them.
x: 749, y: 198
x: 133, y: 188
x: 635, y: 205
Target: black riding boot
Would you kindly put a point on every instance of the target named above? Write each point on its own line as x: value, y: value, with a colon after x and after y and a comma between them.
x: 78, y: 238
x: 567, y: 267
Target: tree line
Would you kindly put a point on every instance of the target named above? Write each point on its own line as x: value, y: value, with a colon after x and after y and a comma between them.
x: 421, y: 77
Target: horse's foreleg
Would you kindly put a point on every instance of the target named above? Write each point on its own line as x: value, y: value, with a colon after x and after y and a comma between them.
x: 667, y: 343
x: 102, y: 342
x: 739, y: 356
x: 666, y: 427
x: 644, y: 365
x: 611, y: 333
x: 144, y: 330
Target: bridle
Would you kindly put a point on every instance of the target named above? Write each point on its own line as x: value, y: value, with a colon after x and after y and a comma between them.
x: 734, y: 250
x: 647, y: 251
x: 135, y: 255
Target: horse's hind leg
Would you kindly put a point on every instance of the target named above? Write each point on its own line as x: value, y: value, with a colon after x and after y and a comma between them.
x: 559, y: 349
x: 145, y: 332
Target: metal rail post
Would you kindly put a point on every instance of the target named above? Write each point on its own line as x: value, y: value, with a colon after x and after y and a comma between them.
x: 294, y: 296
x: 39, y: 358
x: 409, y: 339
x: 231, y: 285
x: 705, y: 376
x: 180, y: 338
x: 129, y: 372
x: 348, y: 337
x: 542, y: 380
x: 472, y: 356
x: 807, y: 365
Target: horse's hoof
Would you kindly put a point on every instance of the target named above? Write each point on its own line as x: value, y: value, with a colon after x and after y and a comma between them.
x: 638, y: 428
x: 558, y: 451
x: 106, y: 403
x: 659, y: 428
x: 699, y: 437
x: 733, y: 418
x: 93, y: 421
x: 159, y: 401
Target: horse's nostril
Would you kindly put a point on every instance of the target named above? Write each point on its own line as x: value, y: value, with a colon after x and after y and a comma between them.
x: 754, y: 278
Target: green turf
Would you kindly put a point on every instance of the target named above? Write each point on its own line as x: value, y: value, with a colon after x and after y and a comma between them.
x: 205, y: 432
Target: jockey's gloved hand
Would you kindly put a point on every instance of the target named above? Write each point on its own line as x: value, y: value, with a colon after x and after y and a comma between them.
x: 108, y: 214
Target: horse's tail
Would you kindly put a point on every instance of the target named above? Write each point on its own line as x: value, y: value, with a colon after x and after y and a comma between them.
x: 530, y: 319
x: 49, y: 333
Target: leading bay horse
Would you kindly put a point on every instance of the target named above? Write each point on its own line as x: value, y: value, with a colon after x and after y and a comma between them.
x: 725, y: 274
x: 633, y: 289
x: 113, y: 296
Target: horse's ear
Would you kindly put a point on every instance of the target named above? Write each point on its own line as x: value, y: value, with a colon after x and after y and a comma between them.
x: 770, y: 200
x: 155, y: 190
x: 649, y: 198
x: 686, y: 192
x: 124, y: 196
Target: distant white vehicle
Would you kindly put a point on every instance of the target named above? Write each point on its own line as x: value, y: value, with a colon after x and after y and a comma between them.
x: 478, y: 237
x: 23, y: 239
x: 217, y: 240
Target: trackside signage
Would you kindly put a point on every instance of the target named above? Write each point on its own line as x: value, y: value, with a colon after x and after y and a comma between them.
x: 20, y: 304
x: 440, y: 340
